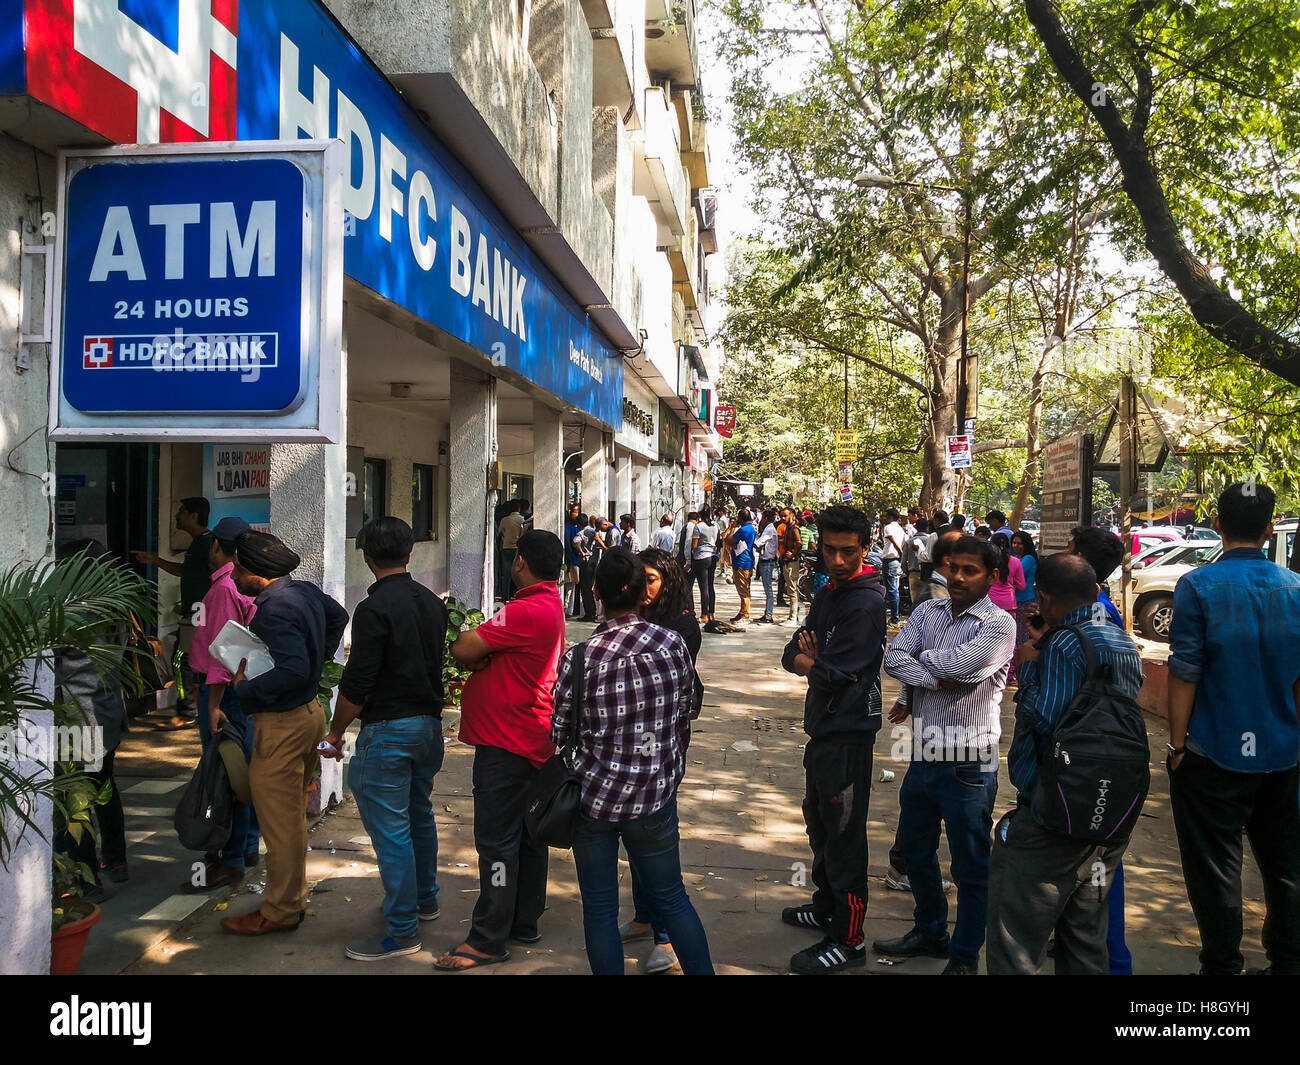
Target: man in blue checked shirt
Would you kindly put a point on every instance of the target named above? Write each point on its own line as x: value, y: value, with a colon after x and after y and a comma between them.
x: 1041, y: 881
x: 1234, y: 738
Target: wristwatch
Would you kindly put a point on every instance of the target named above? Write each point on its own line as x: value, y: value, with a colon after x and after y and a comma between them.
x: 1175, y: 750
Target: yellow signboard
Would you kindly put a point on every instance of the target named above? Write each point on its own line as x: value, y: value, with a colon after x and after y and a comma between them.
x: 846, y: 445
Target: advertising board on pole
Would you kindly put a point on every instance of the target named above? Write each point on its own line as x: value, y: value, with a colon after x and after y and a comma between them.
x: 846, y: 445
x: 959, y: 452
x: 1065, y: 491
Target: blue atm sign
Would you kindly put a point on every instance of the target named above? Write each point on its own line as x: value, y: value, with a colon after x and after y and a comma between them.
x: 192, y: 293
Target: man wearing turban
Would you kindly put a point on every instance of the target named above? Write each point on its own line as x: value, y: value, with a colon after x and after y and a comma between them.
x: 302, y: 628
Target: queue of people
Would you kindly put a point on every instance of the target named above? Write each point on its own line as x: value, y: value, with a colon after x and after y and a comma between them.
x: 986, y: 615
x: 1048, y: 878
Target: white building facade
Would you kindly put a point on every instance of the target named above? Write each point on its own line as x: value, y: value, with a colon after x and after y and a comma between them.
x: 526, y: 240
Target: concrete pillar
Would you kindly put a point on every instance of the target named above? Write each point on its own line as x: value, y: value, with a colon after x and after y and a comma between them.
x: 309, y: 497
x: 623, y: 475
x: 595, y: 480
x: 473, y: 447
x: 548, y: 469
x: 309, y: 490
x: 646, y: 522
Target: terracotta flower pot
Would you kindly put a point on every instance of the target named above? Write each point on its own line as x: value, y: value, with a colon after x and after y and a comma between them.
x: 69, y: 941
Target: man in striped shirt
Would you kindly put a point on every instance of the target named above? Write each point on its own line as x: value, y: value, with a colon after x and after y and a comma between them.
x: 954, y: 653
x: 1042, y: 881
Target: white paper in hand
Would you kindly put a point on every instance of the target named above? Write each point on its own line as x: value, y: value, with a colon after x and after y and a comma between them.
x: 234, y: 643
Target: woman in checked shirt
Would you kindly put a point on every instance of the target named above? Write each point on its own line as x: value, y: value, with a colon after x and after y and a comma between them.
x: 638, y: 689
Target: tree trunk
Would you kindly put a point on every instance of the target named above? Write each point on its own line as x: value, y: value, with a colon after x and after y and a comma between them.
x: 939, y: 486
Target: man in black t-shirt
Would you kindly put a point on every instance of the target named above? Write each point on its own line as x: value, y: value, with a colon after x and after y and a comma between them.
x: 393, y: 679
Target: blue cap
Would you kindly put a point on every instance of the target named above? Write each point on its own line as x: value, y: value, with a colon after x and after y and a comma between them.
x: 228, y: 528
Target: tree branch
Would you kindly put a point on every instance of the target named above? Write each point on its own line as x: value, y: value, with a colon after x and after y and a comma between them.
x: 1218, y: 313
x: 821, y: 342
x: 981, y: 446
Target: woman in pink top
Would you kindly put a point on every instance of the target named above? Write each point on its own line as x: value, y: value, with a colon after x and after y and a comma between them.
x: 1011, y: 579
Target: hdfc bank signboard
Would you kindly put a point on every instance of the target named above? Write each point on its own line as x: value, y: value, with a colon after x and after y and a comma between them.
x: 417, y: 228
x: 201, y: 293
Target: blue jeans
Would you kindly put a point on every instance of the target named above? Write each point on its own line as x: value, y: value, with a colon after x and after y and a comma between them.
x: 391, y: 776
x: 961, y: 795
x: 893, y: 572
x: 1121, y: 960
x: 244, y: 833
x: 652, y: 851
x: 765, y: 570
x: 643, y: 912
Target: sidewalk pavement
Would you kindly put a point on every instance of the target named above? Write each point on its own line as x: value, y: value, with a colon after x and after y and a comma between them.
x: 742, y: 844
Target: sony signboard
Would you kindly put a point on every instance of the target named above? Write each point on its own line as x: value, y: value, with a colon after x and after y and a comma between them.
x: 200, y: 293
x: 416, y: 227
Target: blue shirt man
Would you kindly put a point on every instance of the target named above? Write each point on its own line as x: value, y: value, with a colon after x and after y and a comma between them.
x: 1034, y: 886
x: 1235, y: 635
x: 1234, y: 681
x: 743, y: 555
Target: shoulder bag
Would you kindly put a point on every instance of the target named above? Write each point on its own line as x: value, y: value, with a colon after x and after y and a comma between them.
x: 554, y: 801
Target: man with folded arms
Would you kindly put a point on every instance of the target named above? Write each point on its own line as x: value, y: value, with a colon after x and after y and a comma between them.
x: 955, y: 654
x: 506, y: 717
x: 301, y: 627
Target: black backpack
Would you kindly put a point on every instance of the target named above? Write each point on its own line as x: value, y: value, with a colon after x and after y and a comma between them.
x: 1094, y: 776
x: 205, y: 813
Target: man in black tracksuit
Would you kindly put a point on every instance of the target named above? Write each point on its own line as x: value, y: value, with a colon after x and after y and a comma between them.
x: 840, y: 650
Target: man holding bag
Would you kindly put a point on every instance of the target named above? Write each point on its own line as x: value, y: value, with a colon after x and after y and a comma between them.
x: 1040, y: 880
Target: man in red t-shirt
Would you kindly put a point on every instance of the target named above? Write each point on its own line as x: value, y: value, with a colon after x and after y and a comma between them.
x: 506, y: 716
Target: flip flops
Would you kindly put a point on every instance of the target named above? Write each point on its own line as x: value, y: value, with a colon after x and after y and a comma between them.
x: 478, y: 961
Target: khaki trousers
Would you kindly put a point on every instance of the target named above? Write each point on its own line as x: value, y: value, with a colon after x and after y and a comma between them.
x: 741, y: 578
x: 284, y: 761
x: 789, y: 578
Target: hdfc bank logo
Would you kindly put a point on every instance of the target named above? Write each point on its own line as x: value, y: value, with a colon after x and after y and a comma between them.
x: 98, y: 353
x: 137, y: 71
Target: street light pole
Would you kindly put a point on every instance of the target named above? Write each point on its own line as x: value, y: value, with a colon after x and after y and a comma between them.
x: 968, y: 372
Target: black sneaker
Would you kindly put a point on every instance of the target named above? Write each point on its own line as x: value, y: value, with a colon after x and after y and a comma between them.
x: 960, y: 968
x: 805, y: 917
x: 913, y: 945
x: 828, y: 957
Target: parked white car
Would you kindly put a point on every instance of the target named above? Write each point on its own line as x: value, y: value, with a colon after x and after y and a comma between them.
x: 1153, y: 587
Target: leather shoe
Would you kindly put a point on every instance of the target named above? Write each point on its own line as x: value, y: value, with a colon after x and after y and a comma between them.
x: 254, y: 924
x: 913, y: 945
x: 251, y: 858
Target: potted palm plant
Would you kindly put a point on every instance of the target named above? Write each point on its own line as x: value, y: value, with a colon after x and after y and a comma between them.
x: 77, y: 606
x: 74, y: 794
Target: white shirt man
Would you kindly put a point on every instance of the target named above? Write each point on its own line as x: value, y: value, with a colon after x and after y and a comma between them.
x: 663, y: 537
x: 894, y: 540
